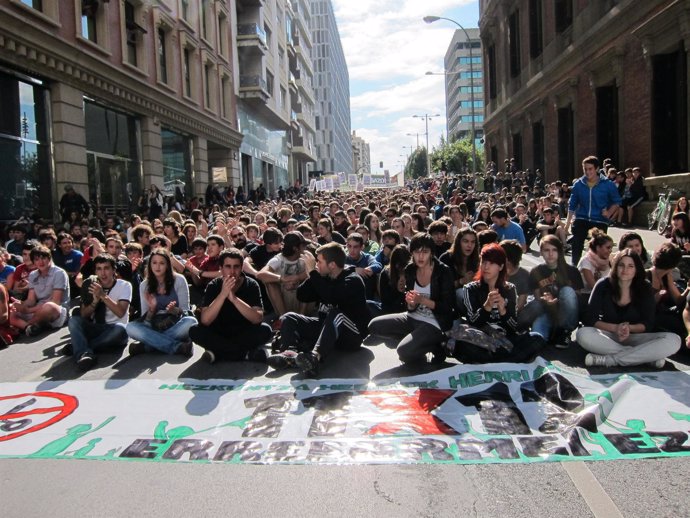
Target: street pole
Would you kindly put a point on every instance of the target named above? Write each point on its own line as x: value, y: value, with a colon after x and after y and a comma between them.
x: 426, y: 118
x: 414, y: 135
x: 432, y: 19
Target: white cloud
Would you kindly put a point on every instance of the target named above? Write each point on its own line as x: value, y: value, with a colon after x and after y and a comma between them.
x: 388, y: 49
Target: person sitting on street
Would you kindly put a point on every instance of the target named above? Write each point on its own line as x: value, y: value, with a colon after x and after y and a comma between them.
x: 230, y: 326
x: 670, y: 302
x: 209, y: 268
x: 620, y: 319
x: 595, y: 264
x: 164, y: 305
x: 47, y: 303
x: 103, y: 316
x: 438, y: 230
x: 342, y: 320
x: 389, y: 240
x: 430, y: 300
x: 18, y: 281
x: 365, y: 265
x: 507, y: 229
x: 285, y: 272
x: 517, y: 275
x: 392, y: 284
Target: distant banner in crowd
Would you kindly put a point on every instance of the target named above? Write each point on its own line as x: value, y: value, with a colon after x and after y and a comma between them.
x: 500, y: 413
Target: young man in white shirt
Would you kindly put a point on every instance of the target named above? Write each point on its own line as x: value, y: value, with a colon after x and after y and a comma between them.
x: 104, y: 314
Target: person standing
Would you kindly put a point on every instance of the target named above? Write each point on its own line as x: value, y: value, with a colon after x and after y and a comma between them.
x: 593, y: 201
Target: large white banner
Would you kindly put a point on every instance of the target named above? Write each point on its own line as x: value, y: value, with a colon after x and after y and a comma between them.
x: 464, y: 414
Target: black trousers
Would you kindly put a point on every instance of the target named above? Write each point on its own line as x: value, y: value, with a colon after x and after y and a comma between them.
x: 525, y: 349
x: 580, y: 229
x: 322, y: 335
x: 234, y: 342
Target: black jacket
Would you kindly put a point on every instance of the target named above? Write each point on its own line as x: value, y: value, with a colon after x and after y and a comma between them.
x: 475, y: 296
x: 346, y: 292
x: 442, y: 291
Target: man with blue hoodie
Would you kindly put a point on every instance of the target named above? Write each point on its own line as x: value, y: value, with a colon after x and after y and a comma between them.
x: 592, y: 202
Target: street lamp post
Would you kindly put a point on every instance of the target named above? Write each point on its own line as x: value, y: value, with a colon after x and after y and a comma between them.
x: 426, y: 118
x: 432, y: 19
x: 414, y: 135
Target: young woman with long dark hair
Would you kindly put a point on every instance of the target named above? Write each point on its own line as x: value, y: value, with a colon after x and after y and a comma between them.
x: 620, y: 319
x: 164, y: 296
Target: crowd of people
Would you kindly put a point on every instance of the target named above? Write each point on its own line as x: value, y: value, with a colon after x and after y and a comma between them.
x: 433, y: 268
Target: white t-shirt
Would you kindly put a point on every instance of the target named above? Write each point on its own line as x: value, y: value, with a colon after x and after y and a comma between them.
x: 423, y: 313
x: 282, y: 266
x: 586, y: 264
x: 121, y: 290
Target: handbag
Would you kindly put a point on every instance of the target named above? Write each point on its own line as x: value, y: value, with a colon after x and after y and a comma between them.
x: 164, y: 321
x: 488, y: 337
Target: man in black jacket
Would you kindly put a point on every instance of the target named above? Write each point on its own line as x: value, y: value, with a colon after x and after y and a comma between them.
x: 343, y: 314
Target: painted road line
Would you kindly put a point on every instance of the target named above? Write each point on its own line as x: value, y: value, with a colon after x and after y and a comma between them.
x: 596, y: 498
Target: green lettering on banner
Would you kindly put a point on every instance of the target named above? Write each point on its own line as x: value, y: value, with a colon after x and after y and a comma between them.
x: 489, y: 376
x: 513, y: 376
x: 461, y: 380
x: 165, y: 386
x: 474, y: 378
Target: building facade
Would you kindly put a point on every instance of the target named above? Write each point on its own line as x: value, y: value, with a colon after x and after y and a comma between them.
x: 361, y: 156
x: 464, y: 86
x: 276, y: 100
x: 332, y: 87
x: 111, y: 97
x: 571, y: 78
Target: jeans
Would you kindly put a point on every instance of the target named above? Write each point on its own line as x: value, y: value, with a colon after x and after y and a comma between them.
x: 87, y: 336
x: 565, y: 318
x: 416, y: 337
x: 639, y: 348
x: 234, y: 342
x: 580, y: 229
x: 165, y: 341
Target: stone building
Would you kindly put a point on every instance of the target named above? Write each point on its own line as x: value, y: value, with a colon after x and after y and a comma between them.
x: 564, y: 79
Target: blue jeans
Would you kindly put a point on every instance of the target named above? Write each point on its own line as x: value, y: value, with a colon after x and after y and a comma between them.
x: 165, y: 341
x: 87, y: 336
x: 566, y: 316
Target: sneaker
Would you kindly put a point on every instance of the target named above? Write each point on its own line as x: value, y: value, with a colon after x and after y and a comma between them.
x: 257, y: 355
x: 599, y: 360
x: 659, y: 364
x: 136, y: 348
x: 208, y: 356
x: 86, y: 362
x: 66, y: 350
x: 284, y: 360
x: 186, y: 348
x: 564, y: 341
x: 33, y: 330
x: 308, y: 363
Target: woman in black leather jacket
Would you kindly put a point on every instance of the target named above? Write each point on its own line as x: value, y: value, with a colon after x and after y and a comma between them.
x: 430, y: 300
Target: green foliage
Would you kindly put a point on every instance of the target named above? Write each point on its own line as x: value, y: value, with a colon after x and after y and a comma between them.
x: 416, y: 164
x: 453, y: 157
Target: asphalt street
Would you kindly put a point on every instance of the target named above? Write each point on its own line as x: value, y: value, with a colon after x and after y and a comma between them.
x: 100, y: 488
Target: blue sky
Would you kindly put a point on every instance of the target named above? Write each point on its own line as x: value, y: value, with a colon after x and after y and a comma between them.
x: 388, y: 49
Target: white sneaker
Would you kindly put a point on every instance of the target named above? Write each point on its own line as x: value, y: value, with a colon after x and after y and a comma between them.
x: 599, y: 360
x: 659, y: 364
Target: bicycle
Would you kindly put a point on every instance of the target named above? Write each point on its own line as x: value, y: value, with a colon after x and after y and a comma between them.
x: 661, y: 214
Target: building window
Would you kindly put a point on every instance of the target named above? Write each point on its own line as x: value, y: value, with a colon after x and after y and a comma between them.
x: 177, y: 161
x: 269, y: 83
x: 467, y: 105
x: 24, y: 148
x: 283, y: 95
x: 536, y: 35
x: 225, y: 93
x: 204, y: 18
x: 514, y: 42
x: 491, y: 58
x: 186, y: 65
x: 112, y: 158
x: 184, y: 9
x: 89, y: 21
x: 162, y: 56
x: 268, y: 36
x: 475, y: 74
x: 465, y: 60
x: 208, y: 70
x: 564, y: 14
x: 223, y: 35
x: 34, y: 4
x: 469, y: 89
x: 133, y: 32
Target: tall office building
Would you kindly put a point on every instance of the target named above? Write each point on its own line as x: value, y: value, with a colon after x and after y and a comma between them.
x: 332, y: 86
x: 464, y: 90
x: 361, y: 157
x: 111, y: 97
x: 567, y: 79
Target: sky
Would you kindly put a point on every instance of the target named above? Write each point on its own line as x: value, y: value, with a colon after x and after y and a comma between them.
x: 388, y: 49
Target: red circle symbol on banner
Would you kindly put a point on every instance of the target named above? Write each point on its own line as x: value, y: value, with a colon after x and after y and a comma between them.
x: 53, y: 405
